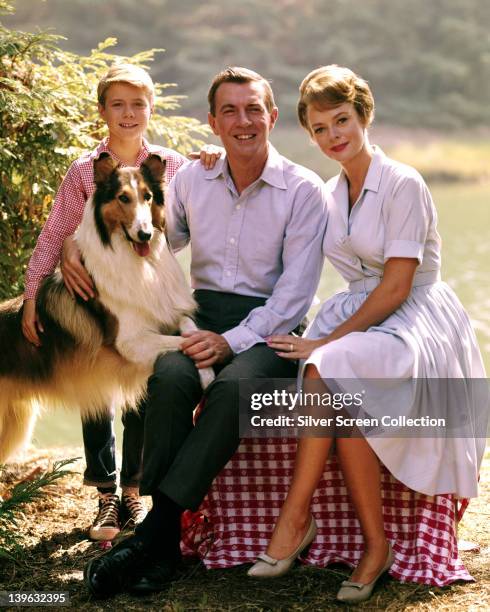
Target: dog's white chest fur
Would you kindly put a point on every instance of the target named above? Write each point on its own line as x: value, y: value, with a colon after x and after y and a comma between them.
x: 152, y: 289
x: 147, y: 295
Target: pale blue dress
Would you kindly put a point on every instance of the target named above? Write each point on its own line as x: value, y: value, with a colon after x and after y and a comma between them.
x: 428, y: 337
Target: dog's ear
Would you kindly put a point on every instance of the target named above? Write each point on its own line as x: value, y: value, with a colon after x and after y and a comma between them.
x: 104, y: 166
x: 156, y: 167
x: 153, y: 170
x: 158, y: 217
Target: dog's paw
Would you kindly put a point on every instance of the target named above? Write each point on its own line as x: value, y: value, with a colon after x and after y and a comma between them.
x: 207, y: 376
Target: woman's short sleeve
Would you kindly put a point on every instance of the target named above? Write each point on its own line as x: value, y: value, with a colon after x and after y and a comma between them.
x: 408, y: 218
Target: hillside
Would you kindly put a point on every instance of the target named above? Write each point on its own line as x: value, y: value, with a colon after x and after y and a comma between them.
x: 427, y: 62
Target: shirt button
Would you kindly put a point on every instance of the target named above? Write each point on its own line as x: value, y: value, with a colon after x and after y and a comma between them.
x: 238, y: 206
x: 232, y: 241
x: 228, y: 273
x: 243, y: 345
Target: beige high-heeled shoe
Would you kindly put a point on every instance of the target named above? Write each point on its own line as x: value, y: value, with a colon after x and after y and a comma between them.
x: 268, y: 567
x: 355, y: 592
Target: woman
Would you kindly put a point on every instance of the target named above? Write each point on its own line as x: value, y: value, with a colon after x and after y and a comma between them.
x: 397, y: 321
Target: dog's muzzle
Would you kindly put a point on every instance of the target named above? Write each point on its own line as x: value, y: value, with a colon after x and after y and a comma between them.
x: 142, y: 245
x: 144, y: 236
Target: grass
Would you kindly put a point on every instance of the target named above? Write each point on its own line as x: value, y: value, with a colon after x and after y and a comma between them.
x: 447, y: 161
x: 56, y: 551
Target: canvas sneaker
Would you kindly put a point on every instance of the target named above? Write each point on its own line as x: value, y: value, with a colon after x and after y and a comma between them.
x: 132, y: 512
x: 106, y: 523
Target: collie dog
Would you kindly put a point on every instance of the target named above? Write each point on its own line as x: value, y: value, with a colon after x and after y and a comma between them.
x: 102, y: 351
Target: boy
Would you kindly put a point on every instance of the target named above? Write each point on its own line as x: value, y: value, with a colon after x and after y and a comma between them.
x: 125, y: 102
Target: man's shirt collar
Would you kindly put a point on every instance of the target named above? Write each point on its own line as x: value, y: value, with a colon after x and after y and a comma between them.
x: 273, y: 172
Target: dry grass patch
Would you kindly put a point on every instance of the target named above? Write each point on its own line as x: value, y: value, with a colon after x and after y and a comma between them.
x: 56, y: 551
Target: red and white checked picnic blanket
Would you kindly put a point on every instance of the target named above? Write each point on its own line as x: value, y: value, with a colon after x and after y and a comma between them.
x: 236, y: 519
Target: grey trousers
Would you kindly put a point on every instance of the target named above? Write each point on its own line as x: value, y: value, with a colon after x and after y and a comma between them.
x: 182, y: 460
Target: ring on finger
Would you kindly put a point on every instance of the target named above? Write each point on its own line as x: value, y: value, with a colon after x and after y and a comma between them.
x: 291, y: 348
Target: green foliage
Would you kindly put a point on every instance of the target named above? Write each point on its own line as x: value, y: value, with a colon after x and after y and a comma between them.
x: 22, y: 494
x: 48, y: 118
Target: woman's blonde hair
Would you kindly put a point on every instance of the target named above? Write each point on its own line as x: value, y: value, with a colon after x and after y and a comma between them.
x: 125, y: 73
x: 331, y: 86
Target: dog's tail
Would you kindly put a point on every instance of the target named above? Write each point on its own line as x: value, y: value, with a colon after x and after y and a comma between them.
x: 17, y: 420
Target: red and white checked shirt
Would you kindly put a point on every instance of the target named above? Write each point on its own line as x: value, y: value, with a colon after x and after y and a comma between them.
x: 66, y: 214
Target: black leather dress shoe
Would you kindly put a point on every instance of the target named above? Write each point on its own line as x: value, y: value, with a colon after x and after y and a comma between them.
x: 116, y: 569
x: 154, y: 576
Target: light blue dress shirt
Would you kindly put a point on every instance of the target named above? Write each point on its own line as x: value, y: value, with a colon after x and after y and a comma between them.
x: 265, y: 242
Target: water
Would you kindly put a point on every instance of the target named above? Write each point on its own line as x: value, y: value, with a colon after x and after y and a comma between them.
x: 464, y: 215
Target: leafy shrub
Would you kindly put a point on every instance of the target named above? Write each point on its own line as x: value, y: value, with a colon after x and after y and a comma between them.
x: 48, y: 117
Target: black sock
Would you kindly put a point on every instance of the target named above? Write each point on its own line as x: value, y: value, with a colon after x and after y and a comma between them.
x: 107, y: 489
x: 160, y: 530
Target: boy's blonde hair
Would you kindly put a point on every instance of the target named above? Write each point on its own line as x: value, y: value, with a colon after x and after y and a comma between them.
x: 331, y: 86
x: 125, y: 73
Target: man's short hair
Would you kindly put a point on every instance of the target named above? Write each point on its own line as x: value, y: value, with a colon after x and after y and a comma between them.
x: 125, y: 73
x: 236, y: 74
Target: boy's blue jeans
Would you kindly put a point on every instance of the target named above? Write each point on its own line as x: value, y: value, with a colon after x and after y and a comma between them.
x: 100, y: 450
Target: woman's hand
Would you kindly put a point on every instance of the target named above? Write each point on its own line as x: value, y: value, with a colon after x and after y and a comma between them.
x: 209, y: 155
x: 292, y: 347
x: 76, y: 277
x: 30, y: 322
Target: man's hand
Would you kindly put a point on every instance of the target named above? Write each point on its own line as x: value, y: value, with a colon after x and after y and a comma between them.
x: 76, y: 277
x: 30, y: 323
x: 206, y: 348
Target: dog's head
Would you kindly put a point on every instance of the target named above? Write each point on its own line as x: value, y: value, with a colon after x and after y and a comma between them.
x: 129, y: 200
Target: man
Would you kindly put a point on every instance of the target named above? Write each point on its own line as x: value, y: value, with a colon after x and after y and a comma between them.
x: 256, y: 223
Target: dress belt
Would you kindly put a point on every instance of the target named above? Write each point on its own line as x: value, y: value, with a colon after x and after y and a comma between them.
x: 368, y: 283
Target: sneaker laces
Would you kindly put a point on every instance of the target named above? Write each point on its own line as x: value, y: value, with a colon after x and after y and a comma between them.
x: 108, y: 514
x: 135, y: 509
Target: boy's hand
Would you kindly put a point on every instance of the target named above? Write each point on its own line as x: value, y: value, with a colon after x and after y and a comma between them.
x: 209, y: 155
x: 30, y: 323
x: 76, y: 277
